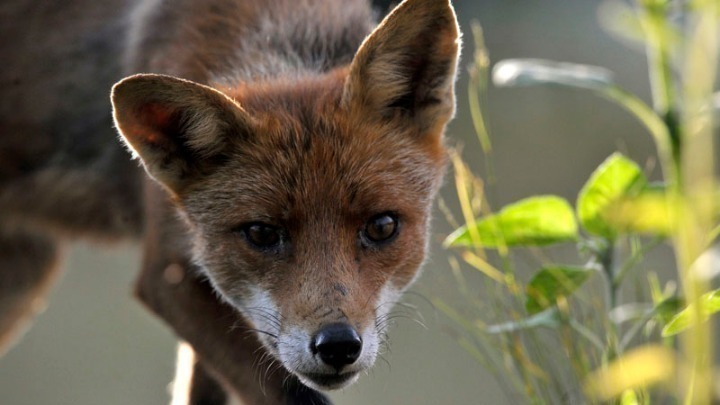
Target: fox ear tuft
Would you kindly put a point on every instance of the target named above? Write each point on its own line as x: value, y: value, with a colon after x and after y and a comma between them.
x: 176, y: 127
x: 407, y: 66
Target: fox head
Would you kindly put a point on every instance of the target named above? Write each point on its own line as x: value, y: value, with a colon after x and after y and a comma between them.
x: 308, y: 201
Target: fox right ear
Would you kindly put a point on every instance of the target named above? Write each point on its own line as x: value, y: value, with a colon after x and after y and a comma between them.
x: 176, y: 127
x: 407, y: 66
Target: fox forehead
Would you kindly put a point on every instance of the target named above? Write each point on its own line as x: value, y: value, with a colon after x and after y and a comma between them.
x: 306, y: 153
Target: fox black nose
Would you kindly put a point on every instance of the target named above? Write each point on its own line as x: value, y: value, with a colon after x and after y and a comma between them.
x: 337, y: 344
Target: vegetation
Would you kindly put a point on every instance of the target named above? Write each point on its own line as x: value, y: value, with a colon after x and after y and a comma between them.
x: 560, y: 341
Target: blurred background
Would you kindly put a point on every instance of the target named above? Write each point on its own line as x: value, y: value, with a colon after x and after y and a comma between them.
x: 96, y: 345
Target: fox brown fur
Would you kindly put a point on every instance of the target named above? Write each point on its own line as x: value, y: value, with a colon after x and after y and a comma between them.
x: 292, y: 155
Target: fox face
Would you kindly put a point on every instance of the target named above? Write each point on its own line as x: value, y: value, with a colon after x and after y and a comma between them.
x: 308, y: 198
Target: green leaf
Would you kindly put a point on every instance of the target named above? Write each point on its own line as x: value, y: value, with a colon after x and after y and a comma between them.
x: 647, y: 213
x: 662, y: 312
x: 709, y: 304
x: 534, y: 221
x: 615, y: 178
x: 665, y: 311
x: 550, y: 283
x: 549, y: 319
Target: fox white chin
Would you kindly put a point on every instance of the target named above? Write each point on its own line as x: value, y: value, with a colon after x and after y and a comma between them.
x: 329, y: 382
x: 295, y: 353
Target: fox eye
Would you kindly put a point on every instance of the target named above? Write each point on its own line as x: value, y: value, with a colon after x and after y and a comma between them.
x: 381, y: 228
x: 262, y: 235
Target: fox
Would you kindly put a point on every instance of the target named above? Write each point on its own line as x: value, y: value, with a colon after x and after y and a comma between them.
x: 278, y: 160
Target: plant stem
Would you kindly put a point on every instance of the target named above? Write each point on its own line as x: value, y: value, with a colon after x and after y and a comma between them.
x: 604, y: 257
x: 637, y: 326
x: 689, y: 176
x: 659, y: 54
x: 634, y: 260
x: 519, y: 357
x: 699, y: 71
x: 585, y: 332
x: 654, y: 124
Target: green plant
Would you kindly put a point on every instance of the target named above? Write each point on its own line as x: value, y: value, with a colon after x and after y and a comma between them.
x: 617, y: 207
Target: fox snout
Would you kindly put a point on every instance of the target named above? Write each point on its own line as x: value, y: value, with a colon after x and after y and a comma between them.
x: 332, y: 357
x: 337, y: 345
x: 326, y: 347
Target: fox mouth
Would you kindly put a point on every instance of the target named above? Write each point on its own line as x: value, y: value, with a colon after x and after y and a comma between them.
x: 328, y: 381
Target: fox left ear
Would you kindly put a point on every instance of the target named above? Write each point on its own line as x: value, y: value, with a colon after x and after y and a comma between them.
x: 178, y: 128
x: 407, y: 66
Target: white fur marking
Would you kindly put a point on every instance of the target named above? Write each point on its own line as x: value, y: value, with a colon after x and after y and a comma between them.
x: 183, y: 375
